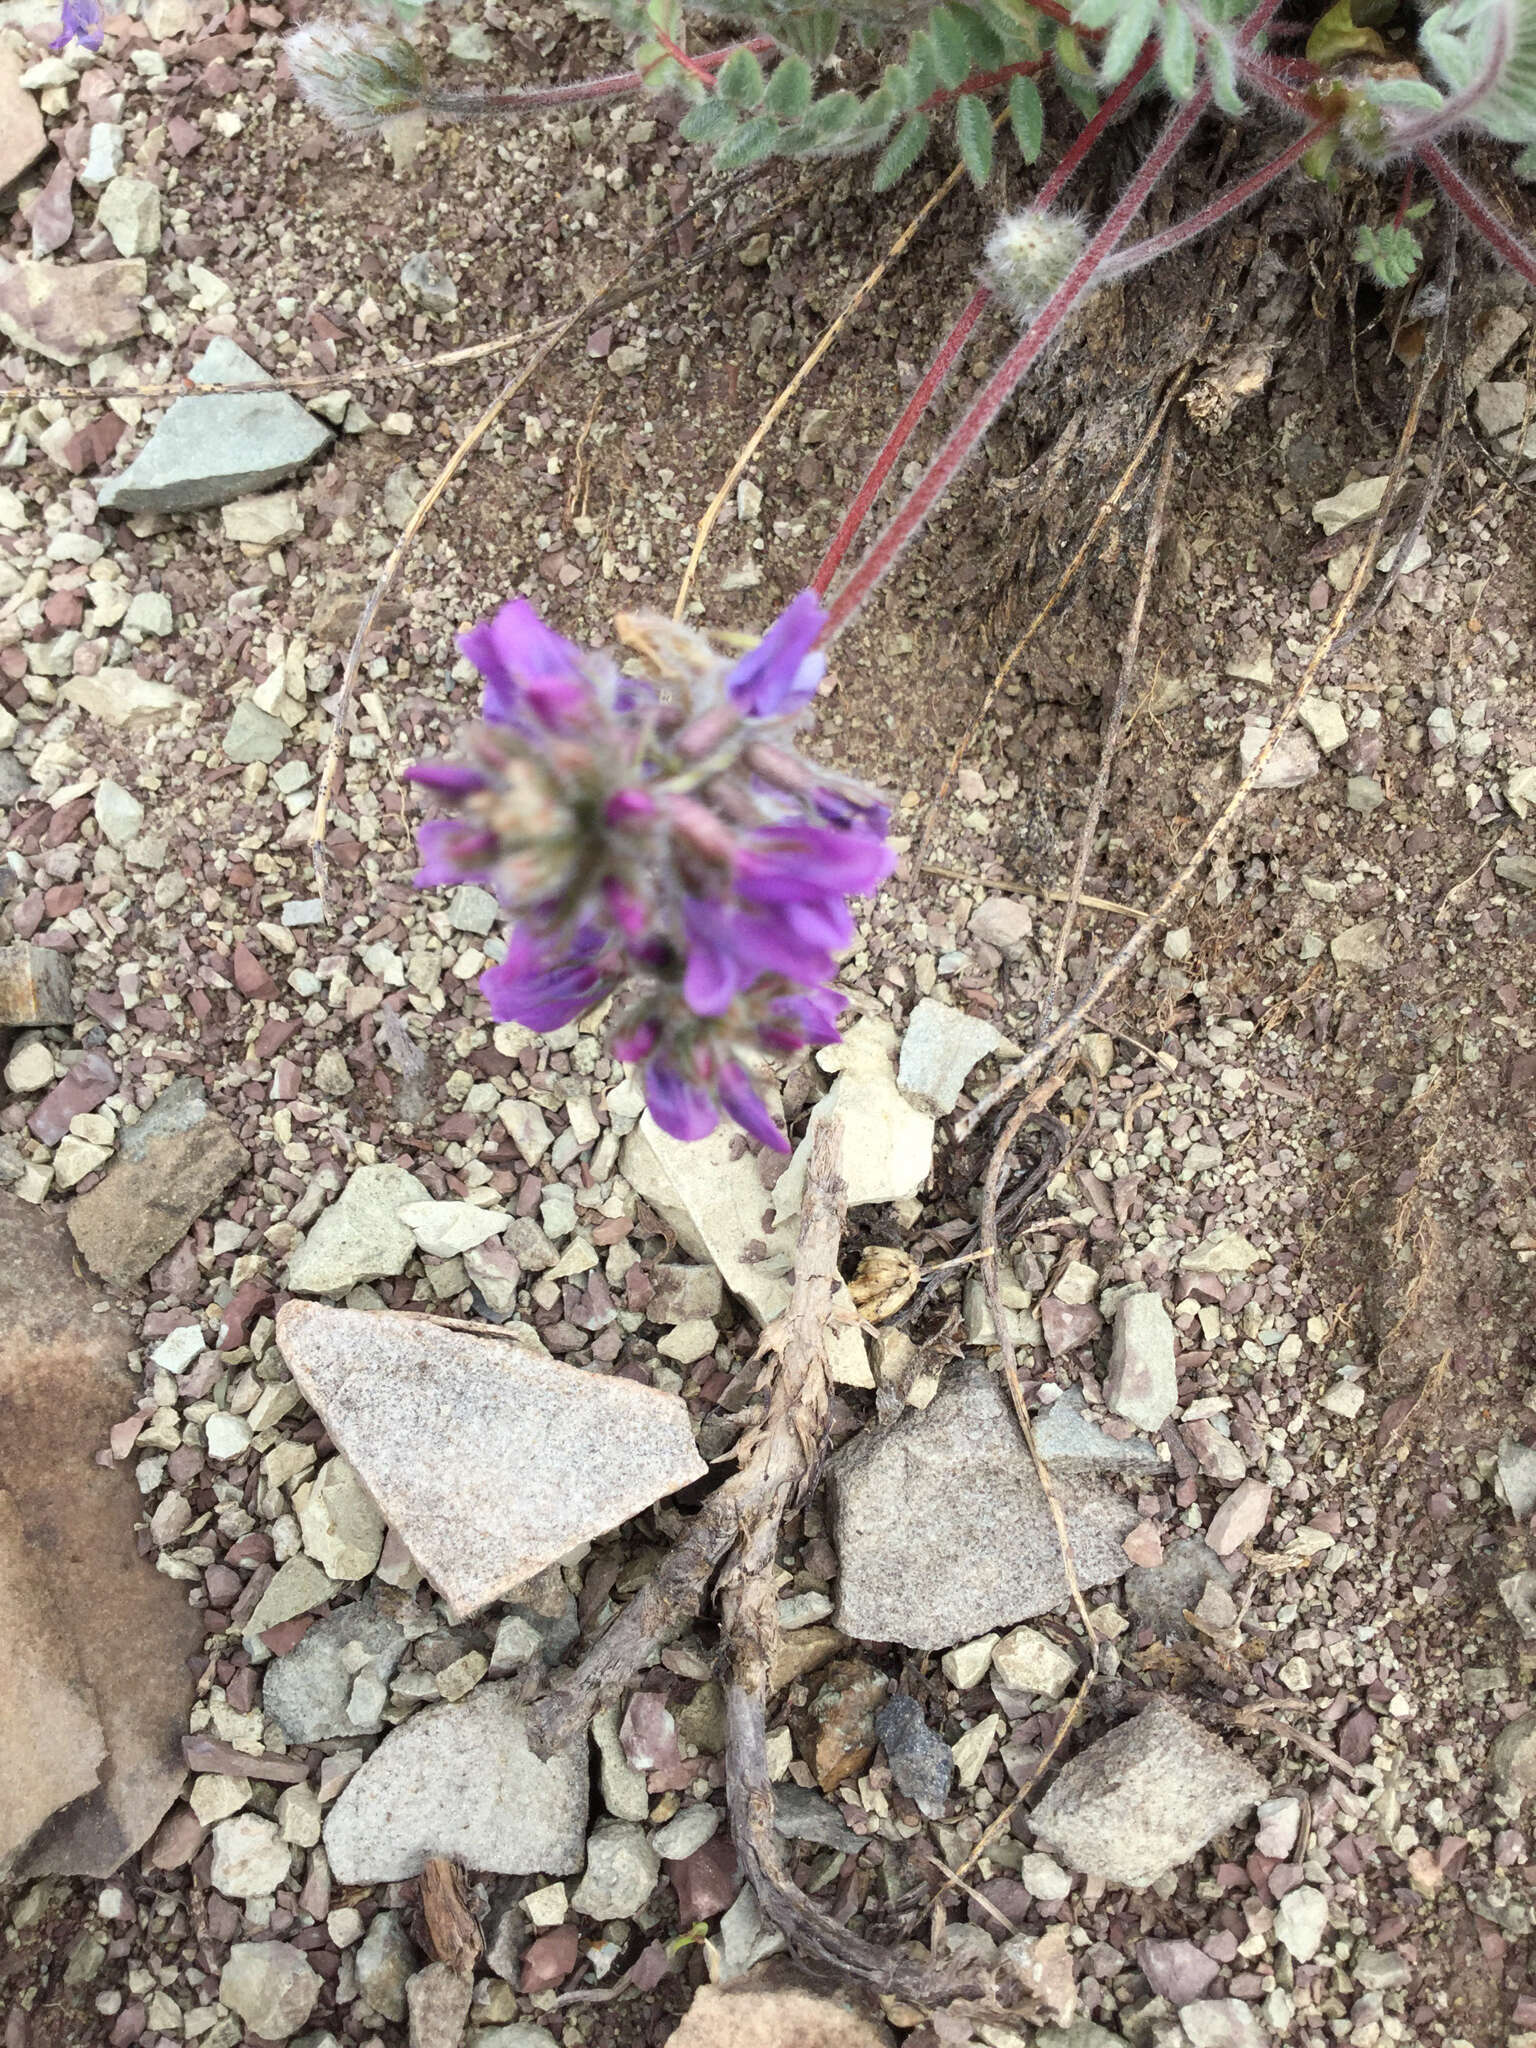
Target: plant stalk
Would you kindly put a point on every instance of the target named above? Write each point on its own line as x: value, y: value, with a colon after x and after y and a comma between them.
x: 1469, y: 201
x: 1124, y: 261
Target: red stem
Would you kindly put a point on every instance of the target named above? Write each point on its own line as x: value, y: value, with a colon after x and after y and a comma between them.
x: 900, y: 434
x: 948, y: 355
x: 1502, y: 240
x: 1156, y: 246
x: 1005, y: 379
x: 981, y: 81
x: 1403, y: 197
x: 614, y: 87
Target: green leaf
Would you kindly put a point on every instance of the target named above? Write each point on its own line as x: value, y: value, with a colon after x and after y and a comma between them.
x: 1402, y: 92
x: 901, y: 152
x: 901, y: 84
x: 1181, y: 53
x: 812, y: 34
x: 832, y: 117
x: 986, y: 50
x: 753, y: 143
x: 789, y: 89
x: 1218, y: 64
x: 950, y: 52
x: 1027, y: 114
x: 1390, y: 254
x: 922, y: 66
x: 973, y: 132
x: 1097, y: 13
x: 741, y: 80
x: 709, y: 122
x: 1126, y: 39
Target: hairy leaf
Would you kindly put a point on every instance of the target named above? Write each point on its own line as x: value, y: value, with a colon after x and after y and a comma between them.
x: 1219, y: 68
x: 1180, y: 51
x: 973, y: 132
x: 901, y: 152
x: 950, y: 50
x: 1390, y: 254
x: 789, y: 89
x: 985, y: 47
x: 1126, y: 39
x: 753, y: 143
x: 709, y: 122
x: 1027, y: 114
x: 741, y: 80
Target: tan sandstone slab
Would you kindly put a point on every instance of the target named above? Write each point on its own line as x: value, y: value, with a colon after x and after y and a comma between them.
x: 175, y: 1162
x: 68, y: 311
x: 94, y: 1685
x: 488, y: 1463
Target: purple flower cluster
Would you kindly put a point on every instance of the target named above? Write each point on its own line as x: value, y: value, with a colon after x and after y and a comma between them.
x: 81, y: 22
x: 663, y: 838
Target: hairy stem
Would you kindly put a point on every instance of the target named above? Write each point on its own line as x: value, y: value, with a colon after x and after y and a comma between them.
x: 617, y: 85
x: 960, y: 333
x: 936, y: 376
x: 1124, y: 261
x: 982, y: 81
x: 1468, y: 200
x: 956, y: 452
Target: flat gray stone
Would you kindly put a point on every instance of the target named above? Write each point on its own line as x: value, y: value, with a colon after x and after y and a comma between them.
x: 938, y: 1050
x: 622, y: 1869
x: 943, y: 1530
x: 254, y: 734
x: 360, y: 1236
x: 460, y: 1780
x: 1143, y: 1382
x: 1145, y: 1798
x: 269, y: 1985
x: 307, y: 1690
x: 487, y: 1462
x: 437, y: 2000
x: 1158, y: 1595
x: 1517, y: 1476
x: 212, y: 448
x: 386, y: 1961
x: 1069, y: 1440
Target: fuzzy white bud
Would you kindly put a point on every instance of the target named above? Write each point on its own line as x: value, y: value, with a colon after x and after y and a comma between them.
x: 1029, y: 254
x: 357, y: 74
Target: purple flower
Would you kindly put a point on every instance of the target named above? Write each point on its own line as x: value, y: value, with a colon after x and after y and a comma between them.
x: 544, y: 982
x: 684, y: 1108
x: 745, y: 1106
x: 533, y: 677
x: 80, y: 23
x: 781, y: 674
x: 666, y: 840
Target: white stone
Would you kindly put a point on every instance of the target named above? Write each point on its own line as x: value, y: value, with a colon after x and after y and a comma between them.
x: 267, y: 522
x: 887, y: 1144
x: 360, y: 1236
x: 445, y: 1229
x: 271, y: 1986
x: 938, y: 1050
x: 227, y: 1436
x: 342, y: 1529
x: 688, y: 1342
x: 250, y: 1857
x: 716, y: 1206
x: 129, y: 211
x: 966, y: 1664
x: 1325, y: 721
x: 1143, y: 1382
x: 1301, y: 1921
x: 1360, y: 500
x: 460, y: 1780
x: 119, y: 813
x: 489, y: 1463
x: 30, y: 1068
x: 1026, y: 1661
x: 75, y: 1158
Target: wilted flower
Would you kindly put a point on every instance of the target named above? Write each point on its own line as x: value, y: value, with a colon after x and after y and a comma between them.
x: 80, y: 23
x: 356, y: 73
x: 664, y: 839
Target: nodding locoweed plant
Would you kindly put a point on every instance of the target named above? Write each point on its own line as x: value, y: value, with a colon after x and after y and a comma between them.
x: 661, y: 842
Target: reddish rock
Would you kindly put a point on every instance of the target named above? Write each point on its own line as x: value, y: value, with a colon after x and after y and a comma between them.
x: 68, y: 311
x: 94, y: 1686
x: 251, y: 978
x: 837, y: 1733
x: 550, y: 1959
x: 706, y: 1882
x: 85, y: 1087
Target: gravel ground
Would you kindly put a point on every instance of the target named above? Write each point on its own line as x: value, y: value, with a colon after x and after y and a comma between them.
x: 1331, y: 1060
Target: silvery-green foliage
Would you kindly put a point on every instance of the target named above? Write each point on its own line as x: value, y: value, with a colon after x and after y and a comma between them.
x: 1187, y: 35
x: 1485, y: 50
x: 797, y: 105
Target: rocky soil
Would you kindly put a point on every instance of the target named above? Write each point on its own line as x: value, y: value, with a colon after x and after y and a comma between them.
x: 285, y: 1565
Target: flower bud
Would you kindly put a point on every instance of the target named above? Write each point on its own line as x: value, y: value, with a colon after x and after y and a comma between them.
x: 355, y: 73
x: 1029, y: 254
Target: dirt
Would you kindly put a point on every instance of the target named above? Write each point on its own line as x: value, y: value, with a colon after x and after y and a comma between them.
x: 1373, y: 1124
